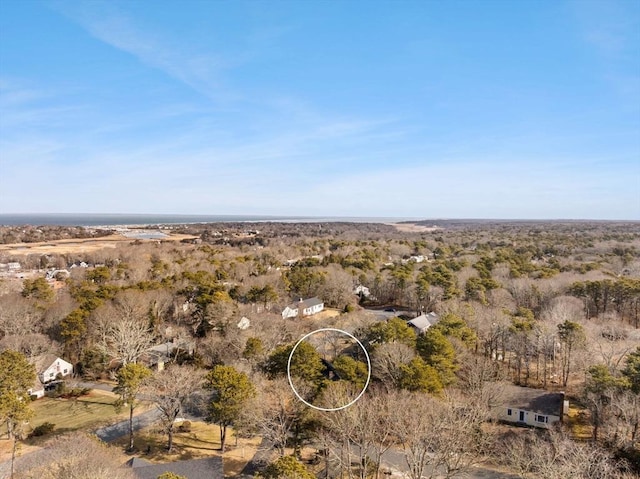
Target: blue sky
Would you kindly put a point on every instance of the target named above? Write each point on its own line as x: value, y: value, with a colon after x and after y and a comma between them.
x: 468, y: 109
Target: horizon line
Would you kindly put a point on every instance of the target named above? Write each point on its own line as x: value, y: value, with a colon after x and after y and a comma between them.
x: 319, y: 218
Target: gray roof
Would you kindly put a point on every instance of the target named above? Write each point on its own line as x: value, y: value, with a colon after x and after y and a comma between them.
x: 44, y: 361
x: 307, y: 303
x: 424, y: 321
x: 533, y: 400
x: 208, y: 468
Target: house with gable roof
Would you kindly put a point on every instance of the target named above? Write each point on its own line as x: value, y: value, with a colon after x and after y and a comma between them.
x: 532, y: 407
x: 305, y: 307
x: 423, y: 322
x: 49, y: 368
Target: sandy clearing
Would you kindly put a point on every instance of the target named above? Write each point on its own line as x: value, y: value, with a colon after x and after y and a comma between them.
x: 66, y: 246
x: 75, y: 245
x: 413, y: 228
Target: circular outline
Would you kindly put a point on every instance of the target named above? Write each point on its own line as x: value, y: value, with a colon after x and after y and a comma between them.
x: 323, y: 408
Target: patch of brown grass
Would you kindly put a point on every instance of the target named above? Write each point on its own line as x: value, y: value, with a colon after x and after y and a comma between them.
x: 413, y: 228
x: 78, y: 245
x: 579, y: 424
x: 237, y: 457
x: 22, y: 448
x: 323, y: 315
x: 203, y: 440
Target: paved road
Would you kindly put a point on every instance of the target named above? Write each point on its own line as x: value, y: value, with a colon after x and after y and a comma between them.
x: 382, y: 315
x: 117, y: 430
x: 259, y: 460
x: 25, y: 461
x: 92, y: 385
x: 395, y: 460
x: 392, y: 460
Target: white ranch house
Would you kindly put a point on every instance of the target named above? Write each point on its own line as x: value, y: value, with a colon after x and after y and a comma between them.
x: 305, y: 307
x: 532, y: 407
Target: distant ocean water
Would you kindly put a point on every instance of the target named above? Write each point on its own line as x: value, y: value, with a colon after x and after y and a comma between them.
x: 141, y: 219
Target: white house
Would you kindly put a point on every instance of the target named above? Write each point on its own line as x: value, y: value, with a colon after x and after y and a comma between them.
x: 414, y: 259
x: 49, y: 368
x: 423, y: 322
x: 37, y: 390
x: 57, y: 273
x: 244, y: 323
x: 305, y: 307
x: 363, y: 292
x: 532, y: 407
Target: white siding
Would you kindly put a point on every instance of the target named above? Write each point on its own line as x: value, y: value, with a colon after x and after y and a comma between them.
x: 521, y: 416
x: 289, y: 313
x: 313, y: 309
x: 59, y: 366
x: 38, y: 393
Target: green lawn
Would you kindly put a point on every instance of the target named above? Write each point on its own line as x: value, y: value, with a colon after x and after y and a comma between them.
x: 86, y: 412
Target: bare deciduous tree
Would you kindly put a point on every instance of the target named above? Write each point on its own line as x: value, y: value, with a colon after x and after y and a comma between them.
x: 626, y: 410
x: 275, y: 412
x: 439, y: 438
x: 387, y: 361
x: 31, y: 345
x: 552, y: 455
x: 74, y: 456
x: 122, y: 329
x: 170, y: 390
x: 18, y: 315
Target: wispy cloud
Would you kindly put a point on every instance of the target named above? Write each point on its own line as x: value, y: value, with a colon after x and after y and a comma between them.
x: 202, y: 71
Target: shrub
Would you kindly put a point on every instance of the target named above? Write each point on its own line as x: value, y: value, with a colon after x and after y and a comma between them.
x: 43, y: 429
x: 76, y: 392
x: 170, y: 475
x: 58, y: 390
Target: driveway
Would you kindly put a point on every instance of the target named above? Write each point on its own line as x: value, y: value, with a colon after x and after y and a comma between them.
x: 382, y: 315
x: 119, y: 429
x: 394, y: 459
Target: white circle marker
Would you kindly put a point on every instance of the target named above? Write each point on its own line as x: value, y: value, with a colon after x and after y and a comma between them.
x: 324, y: 408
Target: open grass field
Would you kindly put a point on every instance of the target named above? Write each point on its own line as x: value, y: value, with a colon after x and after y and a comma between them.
x: 86, y: 412
x: 78, y: 245
x: 413, y: 228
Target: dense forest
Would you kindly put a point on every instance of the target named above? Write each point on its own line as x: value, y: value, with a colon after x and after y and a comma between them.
x: 552, y: 306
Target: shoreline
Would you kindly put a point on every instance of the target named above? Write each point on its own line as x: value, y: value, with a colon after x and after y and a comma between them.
x: 107, y: 221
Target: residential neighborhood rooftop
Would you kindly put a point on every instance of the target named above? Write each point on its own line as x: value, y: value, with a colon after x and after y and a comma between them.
x: 306, y: 303
x: 534, y: 400
x: 208, y: 468
x: 424, y: 321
